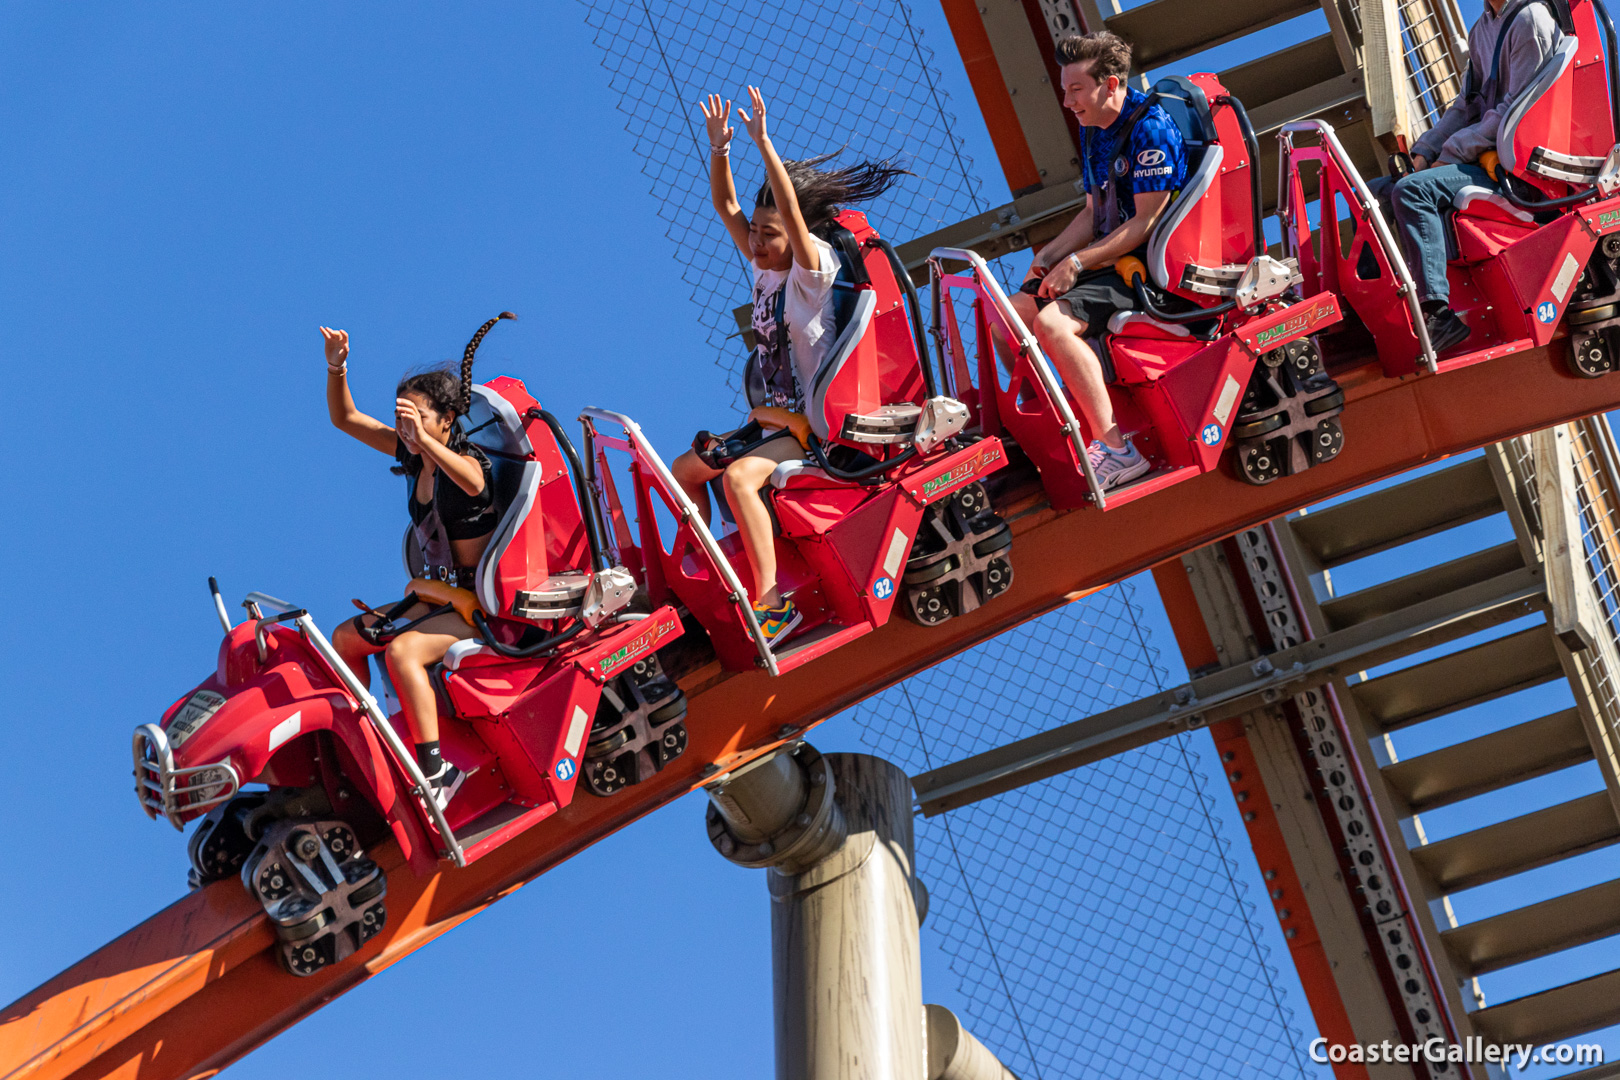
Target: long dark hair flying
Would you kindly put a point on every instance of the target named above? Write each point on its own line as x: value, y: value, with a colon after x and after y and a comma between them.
x: 448, y: 394
x: 822, y: 191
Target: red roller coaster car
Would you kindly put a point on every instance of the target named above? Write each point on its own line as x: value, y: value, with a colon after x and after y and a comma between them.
x: 1220, y: 352
x: 562, y: 679
x: 889, y: 507
x: 1526, y: 257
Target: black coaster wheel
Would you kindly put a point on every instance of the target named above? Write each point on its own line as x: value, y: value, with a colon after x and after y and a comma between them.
x: 1591, y: 355
x: 1261, y: 462
x: 221, y: 844
x: 958, y: 560
x: 637, y: 729
x: 1253, y: 429
x: 1326, y: 441
x: 1326, y: 403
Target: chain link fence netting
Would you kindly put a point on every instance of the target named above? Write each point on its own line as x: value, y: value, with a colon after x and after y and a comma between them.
x: 842, y: 76
x: 1094, y: 920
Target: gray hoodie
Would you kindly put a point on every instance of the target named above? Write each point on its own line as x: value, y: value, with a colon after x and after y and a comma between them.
x: 1470, y: 126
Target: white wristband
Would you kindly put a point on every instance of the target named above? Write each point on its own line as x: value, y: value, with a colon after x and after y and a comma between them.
x: 1074, y: 261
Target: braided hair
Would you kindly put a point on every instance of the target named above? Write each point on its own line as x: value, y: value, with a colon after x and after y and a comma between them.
x: 821, y: 191
x: 464, y: 403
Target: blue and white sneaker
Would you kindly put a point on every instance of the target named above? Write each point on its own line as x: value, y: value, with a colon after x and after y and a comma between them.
x: 1116, y: 467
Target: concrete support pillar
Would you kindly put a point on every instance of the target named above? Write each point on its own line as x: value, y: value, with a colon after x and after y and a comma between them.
x: 844, y: 947
x: 834, y: 834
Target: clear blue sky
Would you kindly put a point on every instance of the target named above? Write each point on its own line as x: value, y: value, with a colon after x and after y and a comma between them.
x: 186, y: 192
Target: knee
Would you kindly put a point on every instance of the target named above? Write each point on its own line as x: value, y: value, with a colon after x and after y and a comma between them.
x: 404, y: 652
x: 684, y: 467
x: 1051, y: 322
x: 1414, y: 192
x: 742, y: 477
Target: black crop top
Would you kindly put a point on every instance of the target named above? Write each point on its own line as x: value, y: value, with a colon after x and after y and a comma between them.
x: 465, y: 517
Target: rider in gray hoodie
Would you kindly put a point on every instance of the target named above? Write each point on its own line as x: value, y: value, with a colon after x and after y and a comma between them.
x: 1446, y: 158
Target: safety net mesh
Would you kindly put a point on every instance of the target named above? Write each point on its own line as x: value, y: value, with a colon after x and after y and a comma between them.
x: 845, y: 77
x: 1094, y: 920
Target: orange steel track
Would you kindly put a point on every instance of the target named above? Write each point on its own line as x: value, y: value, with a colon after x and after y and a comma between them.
x: 194, y: 987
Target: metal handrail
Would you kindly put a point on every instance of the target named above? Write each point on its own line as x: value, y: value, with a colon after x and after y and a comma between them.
x: 1032, y: 352
x: 1369, y: 206
x: 379, y: 721
x: 689, y: 513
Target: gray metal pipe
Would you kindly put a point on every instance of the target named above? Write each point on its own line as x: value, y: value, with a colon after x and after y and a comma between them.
x: 844, y: 947
x: 954, y: 1054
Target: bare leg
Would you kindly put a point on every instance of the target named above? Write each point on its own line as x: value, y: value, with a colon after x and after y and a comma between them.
x: 1024, y: 305
x: 744, y: 479
x: 408, y: 658
x: 694, y: 476
x: 1062, y: 337
x: 356, y: 650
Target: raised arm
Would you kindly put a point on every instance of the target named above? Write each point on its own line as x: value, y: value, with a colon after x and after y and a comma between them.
x: 722, y: 191
x: 787, y: 201
x: 340, y: 403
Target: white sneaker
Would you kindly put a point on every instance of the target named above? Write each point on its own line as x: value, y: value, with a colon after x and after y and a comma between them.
x: 1115, y: 467
x: 445, y: 783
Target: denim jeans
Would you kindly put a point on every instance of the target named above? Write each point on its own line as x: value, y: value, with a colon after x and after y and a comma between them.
x: 1420, y: 199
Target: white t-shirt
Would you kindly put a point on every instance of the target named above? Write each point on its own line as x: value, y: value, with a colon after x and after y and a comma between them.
x: 807, y: 309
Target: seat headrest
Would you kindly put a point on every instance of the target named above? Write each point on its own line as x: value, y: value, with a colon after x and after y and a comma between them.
x: 1187, y: 105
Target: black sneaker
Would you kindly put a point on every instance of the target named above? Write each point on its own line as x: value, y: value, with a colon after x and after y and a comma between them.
x: 1446, y: 330
x: 445, y: 783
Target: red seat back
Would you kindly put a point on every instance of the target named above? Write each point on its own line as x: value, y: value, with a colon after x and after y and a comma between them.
x: 1565, y: 114
x: 880, y: 366
x: 1210, y: 222
x: 541, y: 531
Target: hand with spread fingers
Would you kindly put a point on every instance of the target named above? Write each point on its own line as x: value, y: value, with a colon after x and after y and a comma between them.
x: 755, y: 121
x: 717, y: 117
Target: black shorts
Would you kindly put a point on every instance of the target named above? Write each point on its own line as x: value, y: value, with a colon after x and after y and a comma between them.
x: 1096, y: 295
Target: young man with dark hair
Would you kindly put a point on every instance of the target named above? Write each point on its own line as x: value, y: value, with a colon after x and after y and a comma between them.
x: 1132, y: 165
x: 1505, y: 50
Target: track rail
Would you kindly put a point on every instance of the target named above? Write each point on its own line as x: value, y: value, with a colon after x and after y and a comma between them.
x: 195, y: 987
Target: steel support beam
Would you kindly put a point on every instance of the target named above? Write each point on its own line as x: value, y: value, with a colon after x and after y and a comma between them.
x: 1233, y: 691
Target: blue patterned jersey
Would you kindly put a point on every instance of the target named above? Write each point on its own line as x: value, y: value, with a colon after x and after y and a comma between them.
x: 1157, y: 161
